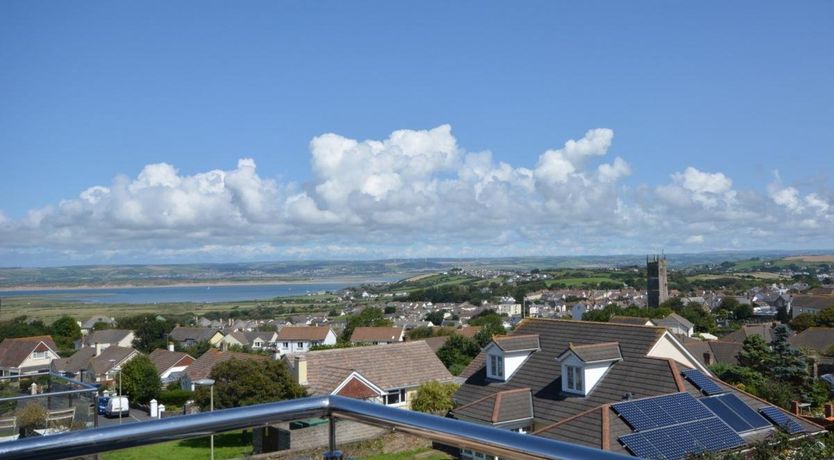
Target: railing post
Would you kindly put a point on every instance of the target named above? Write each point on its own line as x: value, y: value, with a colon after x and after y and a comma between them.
x: 332, y: 454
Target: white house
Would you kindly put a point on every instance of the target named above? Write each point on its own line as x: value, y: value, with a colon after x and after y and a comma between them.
x: 295, y: 339
x: 27, y: 355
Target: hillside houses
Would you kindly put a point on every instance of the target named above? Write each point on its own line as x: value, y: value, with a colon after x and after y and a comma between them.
x: 27, y: 355
x: 299, y: 339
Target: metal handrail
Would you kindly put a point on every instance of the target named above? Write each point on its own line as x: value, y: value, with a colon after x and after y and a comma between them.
x: 482, y: 438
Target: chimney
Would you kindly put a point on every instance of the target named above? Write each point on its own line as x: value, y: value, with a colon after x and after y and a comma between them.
x: 708, y: 358
x: 795, y: 407
x: 98, y: 348
x: 170, y: 346
x: 300, y: 370
x: 828, y: 408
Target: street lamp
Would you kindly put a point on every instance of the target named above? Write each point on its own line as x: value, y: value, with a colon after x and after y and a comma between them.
x: 121, y: 409
x: 209, y: 383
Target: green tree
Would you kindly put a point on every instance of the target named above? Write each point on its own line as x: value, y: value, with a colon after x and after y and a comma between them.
x: 21, y: 326
x: 803, y: 321
x: 729, y: 303
x: 140, y: 381
x: 66, y: 326
x: 151, y: 332
x: 743, y: 311
x: 489, y: 329
x: 457, y: 352
x: 246, y: 382
x: 435, y: 397
x: 787, y: 363
x: 755, y: 354
x: 368, y: 317
x: 195, y: 350
x: 825, y: 317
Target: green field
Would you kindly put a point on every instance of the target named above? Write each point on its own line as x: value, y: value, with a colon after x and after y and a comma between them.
x: 226, y: 446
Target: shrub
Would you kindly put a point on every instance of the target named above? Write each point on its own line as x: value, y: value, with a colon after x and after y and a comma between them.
x: 175, y: 397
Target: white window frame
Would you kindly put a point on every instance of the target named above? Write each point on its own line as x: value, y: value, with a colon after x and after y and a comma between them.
x: 496, y: 366
x: 400, y: 397
x: 575, y: 378
x: 40, y: 354
x: 299, y: 345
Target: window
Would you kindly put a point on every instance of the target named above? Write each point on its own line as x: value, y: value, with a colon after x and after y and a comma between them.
x: 395, y: 397
x: 300, y: 344
x: 497, y: 365
x: 574, y: 376
x: 40, y: 354
x: 286, y: 344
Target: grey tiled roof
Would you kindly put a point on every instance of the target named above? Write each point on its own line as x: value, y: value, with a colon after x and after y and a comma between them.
x: 517, y: 342
x: 673, y: 320
x: 197, y: 334
x: 635, y: 320
x: 608, y: 351
x: 819, y: 339
x: 106, y: 336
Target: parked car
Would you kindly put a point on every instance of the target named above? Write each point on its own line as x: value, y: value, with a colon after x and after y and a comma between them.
x: 101, y: 407
x: 117, y: 405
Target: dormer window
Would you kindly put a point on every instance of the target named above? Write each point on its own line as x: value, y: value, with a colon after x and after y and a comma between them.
x: 575, y: 378
x: 584, y: 366
x: 505, y: 354
x: 496, y: 366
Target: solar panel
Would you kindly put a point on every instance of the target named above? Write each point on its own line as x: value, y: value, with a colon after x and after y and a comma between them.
x: 660, y: 411
x: 703, y: 382
x: 781, y: 420
x: 679, y: 441
x: 749, y: 415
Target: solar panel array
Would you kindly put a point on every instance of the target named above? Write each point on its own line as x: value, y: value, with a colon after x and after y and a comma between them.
x: 781, y: 419
x: 674, y: 426
x: 679, y: 441
x: 735, y: 412
x: 661, y: 411
x: 703, y: 382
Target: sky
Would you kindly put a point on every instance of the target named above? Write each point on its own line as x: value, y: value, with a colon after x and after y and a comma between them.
x: 167, y: 132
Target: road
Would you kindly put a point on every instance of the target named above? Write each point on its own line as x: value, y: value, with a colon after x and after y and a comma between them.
x: 136, y: 415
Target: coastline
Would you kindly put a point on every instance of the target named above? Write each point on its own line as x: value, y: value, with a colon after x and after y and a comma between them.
x: 218, y: 283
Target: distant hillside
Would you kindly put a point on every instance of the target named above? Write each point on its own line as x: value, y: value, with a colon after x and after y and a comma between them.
x: 159, y: 275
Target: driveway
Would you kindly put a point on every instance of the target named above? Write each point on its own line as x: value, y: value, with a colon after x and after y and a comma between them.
x: 136, y: 415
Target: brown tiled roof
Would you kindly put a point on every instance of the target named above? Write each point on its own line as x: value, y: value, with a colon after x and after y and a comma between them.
x: 541, y: 373
x: 819, y: 339
x: 308, y: 333
x: 398, y: 365
x: 607, y: 351
x: 164, y: 359
x: 14, y: 351
x: 763, y: 330
x: 201, y: 368
x: 517, y: 342
x: 720, y: 350
x: 436, y: 343
x: 634, y: 320
x: 197, y: 334
x: 501, y: 407
x: 376, y: 334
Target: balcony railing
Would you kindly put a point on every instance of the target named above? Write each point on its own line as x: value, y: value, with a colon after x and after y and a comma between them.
x: 481, y: 438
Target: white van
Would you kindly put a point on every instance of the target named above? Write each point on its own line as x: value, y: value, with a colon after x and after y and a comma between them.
x: 117, y: 404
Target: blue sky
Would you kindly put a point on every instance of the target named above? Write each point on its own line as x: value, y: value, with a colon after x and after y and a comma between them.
x: 92, y: 93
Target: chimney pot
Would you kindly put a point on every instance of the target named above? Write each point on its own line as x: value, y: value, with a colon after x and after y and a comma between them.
x: 795, y: 407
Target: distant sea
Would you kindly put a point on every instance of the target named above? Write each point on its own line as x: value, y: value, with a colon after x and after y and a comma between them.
x: 170, y: 294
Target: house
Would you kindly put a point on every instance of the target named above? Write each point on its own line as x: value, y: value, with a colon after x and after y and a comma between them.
x: 108, y: 337
x: 389, y: 375
x: 677, y: 324
x: 27, y: 355
x: 94, y: 364
x: 765, y: 331
x: 255, y: 340
x: 190, y: 336
x: 810, y: 304
x: 634, y: 320
x: 170, y: 364
x: 588, y: 382
x: 299, y: 339
x: 818, y: 339
x: 377, y: 335
x: 201, y: 367
x: 88, y: 325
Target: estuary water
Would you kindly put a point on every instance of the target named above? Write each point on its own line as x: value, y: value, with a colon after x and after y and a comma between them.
x: 169, y: 294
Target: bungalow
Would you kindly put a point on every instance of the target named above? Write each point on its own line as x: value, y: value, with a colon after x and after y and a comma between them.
x: 588, y: 383
x: 810, y: 304
x: 389, y: 375
x: 377, y: 335
x: 88, y: 325
x: 27, y: 355
x: 170, y: 364
x: 190, y: 336
x: 201, y: 367
x: 94, y: 364
x: 255, y: 340
x: 677, y: 324
x: 818, y: 339
x: 299, y: 339
x: 108, y: 337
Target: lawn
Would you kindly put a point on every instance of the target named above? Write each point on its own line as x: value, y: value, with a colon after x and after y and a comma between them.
x: 226, y: 446
x: 424, y: 453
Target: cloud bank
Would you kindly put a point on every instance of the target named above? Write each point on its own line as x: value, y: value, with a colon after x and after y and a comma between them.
x: 415, y: 194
